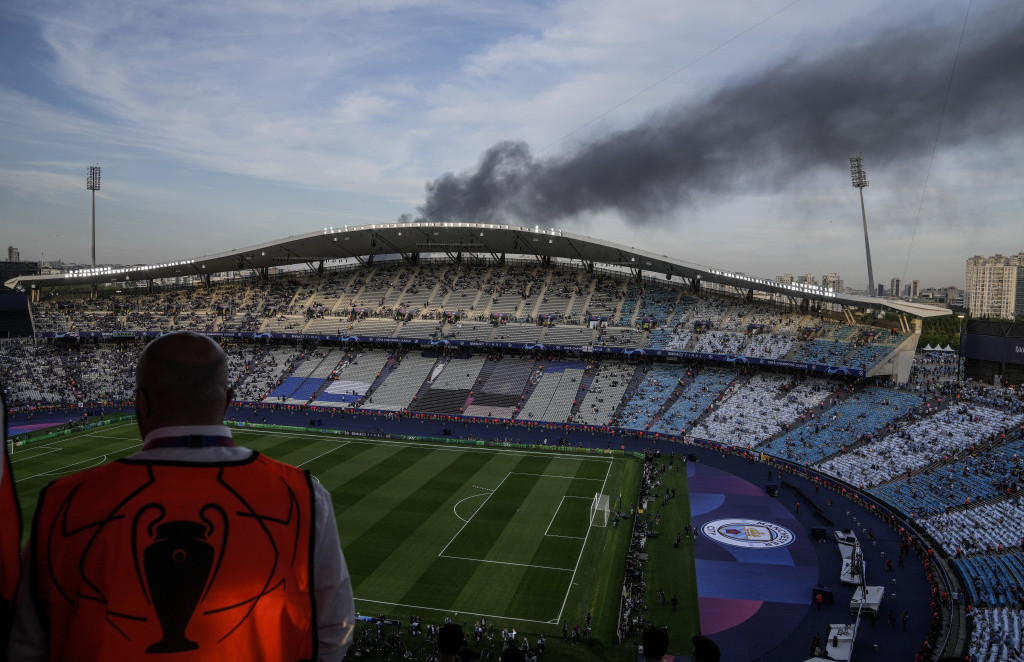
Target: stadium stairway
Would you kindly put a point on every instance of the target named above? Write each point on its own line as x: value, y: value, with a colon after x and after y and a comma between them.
x: 385, y: 372
x: 586, y: 381
x: 631, y: 389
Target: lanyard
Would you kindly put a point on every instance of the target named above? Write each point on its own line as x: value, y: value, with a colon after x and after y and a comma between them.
x: 190, y: 441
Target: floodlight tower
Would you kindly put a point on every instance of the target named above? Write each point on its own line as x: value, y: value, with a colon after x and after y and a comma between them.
x: 860, y: 182
x: 92, y: 183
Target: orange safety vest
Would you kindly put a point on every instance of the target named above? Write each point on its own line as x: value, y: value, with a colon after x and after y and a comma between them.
x: 10, y: 533
x: 207, y: 561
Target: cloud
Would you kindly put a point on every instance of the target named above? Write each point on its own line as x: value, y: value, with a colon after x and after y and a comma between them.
x: 882, y: 97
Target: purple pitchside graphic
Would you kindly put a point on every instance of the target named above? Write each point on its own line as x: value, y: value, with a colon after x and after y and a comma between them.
x: 755, y: 562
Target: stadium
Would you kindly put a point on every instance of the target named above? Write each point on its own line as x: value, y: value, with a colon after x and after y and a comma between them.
x: 530, y: 431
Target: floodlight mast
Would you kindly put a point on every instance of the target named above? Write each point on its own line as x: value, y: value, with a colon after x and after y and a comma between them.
x: 92, y: 183
x: 860, y: 182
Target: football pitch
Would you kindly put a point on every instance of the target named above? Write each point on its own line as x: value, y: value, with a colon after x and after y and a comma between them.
x: 433, y: 529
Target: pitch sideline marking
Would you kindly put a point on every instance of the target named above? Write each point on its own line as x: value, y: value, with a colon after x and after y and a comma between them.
x: 67, y: 467
x: 359, y: 439
x: 555, y: 514
x: 583, y: 547
x: 322, y: 454
x: 441, y: 553
x: 55, y: 445
x: 450, y: 611
x: 524, y: 473
x: 521, y: 565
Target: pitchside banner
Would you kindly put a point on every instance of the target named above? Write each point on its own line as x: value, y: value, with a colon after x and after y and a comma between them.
x: 1000, y: 349
x: 482, y: 344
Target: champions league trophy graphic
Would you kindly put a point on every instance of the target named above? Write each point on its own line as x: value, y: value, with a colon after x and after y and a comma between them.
x: 176, y: 568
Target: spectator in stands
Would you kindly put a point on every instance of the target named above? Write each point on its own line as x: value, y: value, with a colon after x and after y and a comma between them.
x: 205, y: 559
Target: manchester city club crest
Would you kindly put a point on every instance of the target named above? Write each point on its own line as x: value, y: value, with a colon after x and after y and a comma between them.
x: 749, y: 533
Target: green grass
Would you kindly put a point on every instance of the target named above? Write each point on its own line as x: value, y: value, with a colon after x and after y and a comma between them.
x: 439, y: 530
x: 670, y: 568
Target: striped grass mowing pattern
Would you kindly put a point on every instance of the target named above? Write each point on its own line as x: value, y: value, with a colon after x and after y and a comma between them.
x: 494, y: 533
x: 431, y: 529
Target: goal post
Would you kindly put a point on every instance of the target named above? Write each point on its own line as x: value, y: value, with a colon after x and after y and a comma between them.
x: 599, y: 510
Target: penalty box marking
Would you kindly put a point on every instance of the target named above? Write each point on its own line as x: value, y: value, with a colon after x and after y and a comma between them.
x: 465, y: 522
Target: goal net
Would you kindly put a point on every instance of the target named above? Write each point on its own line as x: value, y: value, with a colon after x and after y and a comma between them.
x: 599, y: 510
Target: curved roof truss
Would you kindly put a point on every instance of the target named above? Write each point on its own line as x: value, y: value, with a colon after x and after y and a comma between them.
x: 364, y: 242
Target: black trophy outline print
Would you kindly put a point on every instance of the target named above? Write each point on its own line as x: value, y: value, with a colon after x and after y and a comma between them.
x: 176, y: 568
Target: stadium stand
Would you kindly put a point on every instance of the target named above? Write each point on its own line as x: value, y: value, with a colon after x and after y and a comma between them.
x: 501, y: 389
x: 354, y: 378
x: 554, y: 392
x: 945, y: 456
x: 695, y: 400
x: 997, y: 635
x: 400, y: 386
x: 862, y: 413
x: 762, y: 407
x: 605, y: 393
x: 913, y: 446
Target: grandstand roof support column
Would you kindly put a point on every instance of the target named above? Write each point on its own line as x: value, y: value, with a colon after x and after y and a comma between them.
x: 264, y: 273
x: 695, y: 284
x: 205, y: 279
x: 805, y: 305
x: 588, y: 267
x: 749, y: 296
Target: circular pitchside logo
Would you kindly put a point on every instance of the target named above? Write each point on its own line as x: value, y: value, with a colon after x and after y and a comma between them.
x: 748, y: 533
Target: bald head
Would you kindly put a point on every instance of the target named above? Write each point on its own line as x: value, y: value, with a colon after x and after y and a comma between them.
x: 181, y: 379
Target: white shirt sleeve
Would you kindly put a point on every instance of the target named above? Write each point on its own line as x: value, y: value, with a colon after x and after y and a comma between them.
x: 332, y: 586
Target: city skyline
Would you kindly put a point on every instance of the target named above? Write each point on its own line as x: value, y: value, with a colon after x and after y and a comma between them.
x: 710, y: 133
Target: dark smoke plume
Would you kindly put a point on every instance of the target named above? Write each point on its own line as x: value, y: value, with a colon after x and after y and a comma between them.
x: 883, y: 99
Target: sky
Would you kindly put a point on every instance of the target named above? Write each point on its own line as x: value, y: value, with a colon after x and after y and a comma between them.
x: 716, y: 133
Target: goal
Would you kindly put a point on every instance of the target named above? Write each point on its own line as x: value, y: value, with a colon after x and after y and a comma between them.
x: 599, y: 510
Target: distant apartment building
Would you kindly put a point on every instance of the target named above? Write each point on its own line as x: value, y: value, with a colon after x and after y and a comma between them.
x: 940, y: 294
x: 786, y: 279
x: 915, y: 289
x: 995, y: 286
x: 13, y: 255
x: 833, y: 281
x: 894, y: 287
x: 807, y: 279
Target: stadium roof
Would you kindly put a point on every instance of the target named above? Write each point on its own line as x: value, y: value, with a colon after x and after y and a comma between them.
x: 364, y: 242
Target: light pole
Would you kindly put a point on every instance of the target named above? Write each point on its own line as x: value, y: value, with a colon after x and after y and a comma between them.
x: 92, y: 183
x: 860, y: 182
